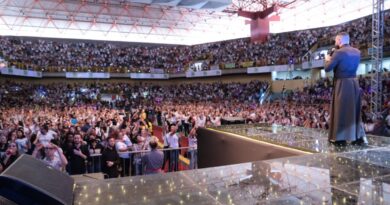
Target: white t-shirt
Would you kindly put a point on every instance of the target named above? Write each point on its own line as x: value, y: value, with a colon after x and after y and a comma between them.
x: 193, y: 142
x: 173, y: 120
x: 127, y: 141
x: 56, y: 155
x: 34, y: 129
x: 171, y: 140
x: 201, y: 121
x: 55, y: 163
x: 98, y: 131
x: 22, y: 145
x: 120, y: 146
x: 186, y: 118
x: 46, y: 138
x: 216, y: 121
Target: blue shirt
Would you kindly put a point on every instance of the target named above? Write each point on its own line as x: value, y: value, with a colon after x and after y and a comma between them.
x: 73, y: 121
x: 344, y: 62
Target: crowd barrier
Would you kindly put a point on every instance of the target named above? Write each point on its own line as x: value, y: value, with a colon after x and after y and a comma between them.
x: 187, y: 159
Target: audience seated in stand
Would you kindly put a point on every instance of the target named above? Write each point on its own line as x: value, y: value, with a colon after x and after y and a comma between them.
x: 55, y: 55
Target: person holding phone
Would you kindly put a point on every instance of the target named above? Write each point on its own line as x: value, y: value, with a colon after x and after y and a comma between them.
x: 11, y: 154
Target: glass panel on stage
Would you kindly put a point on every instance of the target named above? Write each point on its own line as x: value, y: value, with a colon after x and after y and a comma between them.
x: 310, y: 179
x: 352, y: 175
x: 307, y: 139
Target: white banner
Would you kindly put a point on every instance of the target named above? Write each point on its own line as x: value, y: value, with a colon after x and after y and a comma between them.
x: 148, y: 76
x: 264, y: 69
x: 194, y: 74
x: 86, y: 75
x: 268, y: 69
x: 313, y: 64
x: 157, y: 70
x: 214, y: 67
x: 20, y: 72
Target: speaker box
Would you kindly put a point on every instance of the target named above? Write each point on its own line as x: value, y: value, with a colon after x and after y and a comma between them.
x: 31, y: 181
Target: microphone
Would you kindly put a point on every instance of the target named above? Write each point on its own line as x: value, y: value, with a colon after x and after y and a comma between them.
x: 332, y: 50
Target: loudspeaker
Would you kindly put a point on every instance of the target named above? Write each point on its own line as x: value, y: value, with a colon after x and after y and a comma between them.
x: 31, y: 181
x: 4, y: 201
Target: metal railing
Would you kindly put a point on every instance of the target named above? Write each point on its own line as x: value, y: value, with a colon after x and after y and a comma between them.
x: 132, y: 165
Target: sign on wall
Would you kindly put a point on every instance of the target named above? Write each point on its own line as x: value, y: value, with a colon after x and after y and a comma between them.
x: 20, y: 72
x: 148, y: 76
x: 205, y: 73
x: 268, y: 69
x: 89, y: 75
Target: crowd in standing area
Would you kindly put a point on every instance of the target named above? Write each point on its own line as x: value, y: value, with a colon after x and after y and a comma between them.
x: 70, y: 126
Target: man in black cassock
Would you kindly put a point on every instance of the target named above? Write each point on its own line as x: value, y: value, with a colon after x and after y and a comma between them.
x: 345, y: 111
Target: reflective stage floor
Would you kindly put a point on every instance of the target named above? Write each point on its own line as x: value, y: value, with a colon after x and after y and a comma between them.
x: 330, y: 175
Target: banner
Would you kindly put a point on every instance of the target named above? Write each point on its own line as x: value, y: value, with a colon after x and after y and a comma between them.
x: 230, y: 65
x: 214, y: 67
x: 246, y: 64
x: 148, y: 76
x: 20, y: 72
x: 313, y: 64
x: 263, y: 69
x: 90, y: 75
x: 206, y: 73
x: 157, y: 70
x: 268, y: 69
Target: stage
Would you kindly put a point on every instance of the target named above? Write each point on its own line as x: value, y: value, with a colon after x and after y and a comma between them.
x: 311, y: 171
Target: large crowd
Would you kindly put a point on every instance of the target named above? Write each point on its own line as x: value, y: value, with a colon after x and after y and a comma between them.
x: 73, y: 55
x: 71, y: 123
x: 67, y: 123
x: 75, y: 128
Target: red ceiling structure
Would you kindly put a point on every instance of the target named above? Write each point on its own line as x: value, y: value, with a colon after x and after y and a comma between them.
x: 259, y: 14
x: 256, y: 5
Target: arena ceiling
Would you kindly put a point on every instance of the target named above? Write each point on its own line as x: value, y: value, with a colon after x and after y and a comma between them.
x: 183, y: 22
